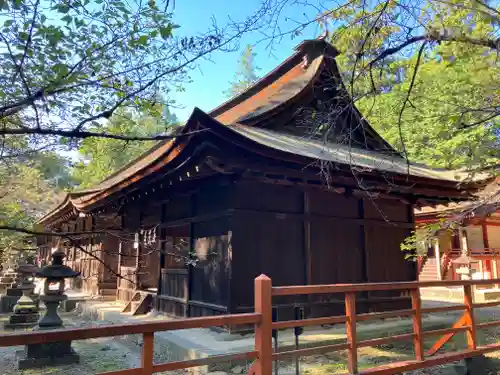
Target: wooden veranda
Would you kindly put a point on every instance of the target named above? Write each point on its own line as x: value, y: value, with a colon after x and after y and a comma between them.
x: 263, y: 354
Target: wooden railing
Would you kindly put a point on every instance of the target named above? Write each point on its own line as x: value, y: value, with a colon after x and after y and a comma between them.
x: 423, y: 359
x: 263, y: 355
x: 454, y: 253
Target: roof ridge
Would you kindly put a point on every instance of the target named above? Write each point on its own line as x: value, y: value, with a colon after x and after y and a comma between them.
x: 307, y: 48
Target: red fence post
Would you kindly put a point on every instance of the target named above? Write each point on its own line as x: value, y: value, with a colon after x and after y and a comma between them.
x: 469, y: 313
x: 416, y: 305
x: 264, y: 330
x: 147, y: 353
x: 350, y: 326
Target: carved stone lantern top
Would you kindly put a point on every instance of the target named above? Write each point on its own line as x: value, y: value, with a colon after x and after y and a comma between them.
x: 27, y: 269
x: 57, y: 271
x: 464, y: 260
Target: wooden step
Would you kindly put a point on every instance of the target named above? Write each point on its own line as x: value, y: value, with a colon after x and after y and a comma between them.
x: 134, y: 305
x: 108, y: 292
x: 108, y: 285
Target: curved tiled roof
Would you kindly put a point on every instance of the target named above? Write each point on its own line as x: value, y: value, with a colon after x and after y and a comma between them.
x: 268, y: 93
x: 242, y: 113
x: 343, y: 154
x: 486, y: 202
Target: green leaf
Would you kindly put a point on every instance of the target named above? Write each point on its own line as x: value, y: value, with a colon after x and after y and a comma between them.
x: 166, y: 32
x: 67, y: 18
x: 60, y: 69
x: 8, y: 23
x: 63, y: 8
x: 143, y: 40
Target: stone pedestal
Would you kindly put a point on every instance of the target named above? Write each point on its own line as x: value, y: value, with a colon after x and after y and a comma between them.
x: 51, y: 353
x: 51, y: 319
x: 14, y: 292
x: 25, y: 311
x: 9, y: 300
x: 47, y: 354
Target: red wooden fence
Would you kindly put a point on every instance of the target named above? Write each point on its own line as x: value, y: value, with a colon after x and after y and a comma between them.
x: 263, y: 355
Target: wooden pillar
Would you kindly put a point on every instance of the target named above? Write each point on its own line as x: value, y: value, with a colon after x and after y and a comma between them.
x: 418, y: 343
x: 161, y: 245
x: 147, y: 354
x: 463, y: 241
x: 119, y: 271
x: 488, y: 262
x: 263, y: 330
x: 469, y: 314
x: 438, y: 259
x: 306, y: 242
x: 485, y: 235
x: 137, y: 246
x: 350, y: 326
x: 307, y: 239
x: 192, y: 250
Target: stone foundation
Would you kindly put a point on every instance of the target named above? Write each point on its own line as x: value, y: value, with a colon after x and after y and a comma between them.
x: 25, y: 315
x: 47, y: 354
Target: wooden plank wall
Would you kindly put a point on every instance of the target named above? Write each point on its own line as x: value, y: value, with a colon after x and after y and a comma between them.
x: 298, y: 236
x: 209, y: 279
x: 267, y: 238
x: 202, y: 216
x: 336, y: 246
x: 385, y: 260
x: 149, y: 258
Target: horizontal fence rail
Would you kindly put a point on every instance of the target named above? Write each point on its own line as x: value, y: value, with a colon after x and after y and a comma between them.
x: 262, y: 354
x: 372, y: 287
x: 423, y: 359
x: 147, y: 330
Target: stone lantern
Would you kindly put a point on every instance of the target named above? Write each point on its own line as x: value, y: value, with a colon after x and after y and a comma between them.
x: 52, y: 353
x: 10, y: 285
x: 8, y: 275
x: 464, y: 263
x: 53, y: 289
x: 26, y: 310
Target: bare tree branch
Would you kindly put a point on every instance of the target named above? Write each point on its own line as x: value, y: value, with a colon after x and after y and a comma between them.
x: 82, y: 134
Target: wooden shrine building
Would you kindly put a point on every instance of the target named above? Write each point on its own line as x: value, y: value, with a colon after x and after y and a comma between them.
x: 285, y: 179
x: 476, y: 232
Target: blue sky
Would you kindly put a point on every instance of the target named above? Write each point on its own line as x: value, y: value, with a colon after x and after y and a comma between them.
x: 211, y: 78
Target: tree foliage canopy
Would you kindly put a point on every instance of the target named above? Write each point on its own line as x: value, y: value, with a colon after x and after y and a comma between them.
x: 245, y: 75
x: 99, y: 157
x: 28, y: 189
x: 435, y: 99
